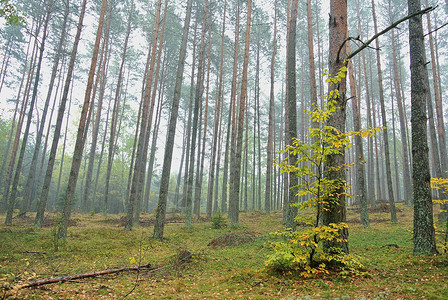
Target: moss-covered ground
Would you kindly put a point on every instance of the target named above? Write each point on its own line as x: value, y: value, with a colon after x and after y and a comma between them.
x: 231, y: 267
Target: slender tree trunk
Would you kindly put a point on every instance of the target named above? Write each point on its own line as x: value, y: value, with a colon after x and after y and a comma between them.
x: 271, y: 136
x: 218, y: 161
x: 26, y: 78
x: 166, y: 169
x: 217, y: 120
x: 199, y: 178
x: 246, y: 159
x: 115, y: 111
x: 232, y: 114
x: 12, y: 197
x: 141, y: 181
x: 38, y: 221
x: 199, y: 89
x: 97, y: 204
x: 3, y: 201
x: 390, y: 190
x: 82, y: 127
x: 370, y: 160
x: 424, y: 235
x: 31, y: 177
x: 135, y: 196
x: 234, y: 205
x: 190, y: 116
x: 152, y: 156
x: 182, y: 158
x: 100, y: 80
x: 359, y: 160
x: 439, y: 111
x: 401, y: 111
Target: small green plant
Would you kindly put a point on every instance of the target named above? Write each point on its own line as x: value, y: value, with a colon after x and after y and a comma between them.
x: 302, y: 252
x: 218, y: 221
x: 57, y: 241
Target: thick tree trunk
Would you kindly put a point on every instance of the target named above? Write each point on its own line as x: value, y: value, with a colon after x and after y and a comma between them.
x: 335, y: 211
x: 424, y: 235
x: 291, y: 115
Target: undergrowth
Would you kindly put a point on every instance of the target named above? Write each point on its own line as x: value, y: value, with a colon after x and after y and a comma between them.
x: 220, y: 273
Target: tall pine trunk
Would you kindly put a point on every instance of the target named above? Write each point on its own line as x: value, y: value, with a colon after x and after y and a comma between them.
x: 166, y: 169
x: 335, y: 211
x: 393, y: 213
x: 271, y: 136
x: 424, y: 235
x: 38, y: 221
x: 82, y: 128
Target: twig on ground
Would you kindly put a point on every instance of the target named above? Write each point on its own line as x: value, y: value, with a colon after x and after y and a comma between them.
x: 40, y: 282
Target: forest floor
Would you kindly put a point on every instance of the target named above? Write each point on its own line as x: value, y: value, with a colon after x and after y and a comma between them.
x: 225, y: 264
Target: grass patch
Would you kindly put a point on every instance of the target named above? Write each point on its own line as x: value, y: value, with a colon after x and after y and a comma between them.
x: 235, y: 271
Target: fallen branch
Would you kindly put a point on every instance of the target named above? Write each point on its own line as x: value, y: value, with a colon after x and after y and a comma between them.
x: 40, y: 282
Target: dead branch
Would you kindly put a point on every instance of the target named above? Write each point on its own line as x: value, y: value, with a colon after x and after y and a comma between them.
x: 438, y: 28
x: 40, y: 282
x: 392, y: 26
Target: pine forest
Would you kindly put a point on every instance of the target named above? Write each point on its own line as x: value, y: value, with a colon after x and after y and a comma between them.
x: 206, y: 149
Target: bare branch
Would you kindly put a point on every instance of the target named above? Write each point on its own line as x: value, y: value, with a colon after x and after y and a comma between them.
x: 392, y: 26
x: 436, y: 29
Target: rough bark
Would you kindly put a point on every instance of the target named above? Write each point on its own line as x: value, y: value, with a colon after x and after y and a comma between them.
x: 335, y: 211
x: 424, y: 235
x: 291, y: 115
